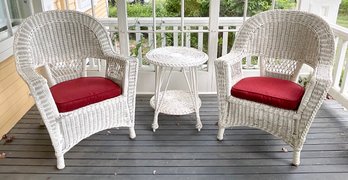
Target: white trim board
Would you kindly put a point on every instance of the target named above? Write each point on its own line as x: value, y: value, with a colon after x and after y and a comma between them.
x: 6, y: 48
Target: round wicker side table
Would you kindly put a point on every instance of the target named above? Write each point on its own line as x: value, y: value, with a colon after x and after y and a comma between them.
x: 176, y: 102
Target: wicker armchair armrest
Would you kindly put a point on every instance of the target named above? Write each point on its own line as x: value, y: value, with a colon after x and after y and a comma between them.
x: 44, y: 100
x: 315, y: 93
x: 118, y: 69
x: 41, y: 93
x: 228, y: 69
x: 124, y: 70
x: 115, y: 67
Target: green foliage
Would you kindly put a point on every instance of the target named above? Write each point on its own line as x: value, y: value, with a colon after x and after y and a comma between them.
x: 112, y: 11
x: 343, y: 21
x: 285, y: 4
x: 200, y: 8
x: 343, y: 14
x: 112, y: 2
x: 304, y: 80
x: 343, y: 7
x: 139, y: 10
x: 193, y: 8
x: 230, y: 8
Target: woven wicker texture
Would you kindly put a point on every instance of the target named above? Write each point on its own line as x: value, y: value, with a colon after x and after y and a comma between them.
x: 284, y: 41
x: 176, y: 57
x: 60, y: 41
x: 176, y: 102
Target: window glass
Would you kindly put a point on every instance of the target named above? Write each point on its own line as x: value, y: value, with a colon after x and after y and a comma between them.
x: 3, y: 22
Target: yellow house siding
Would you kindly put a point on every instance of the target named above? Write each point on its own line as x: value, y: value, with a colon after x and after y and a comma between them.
x: 14, y: 96
x: 14, y: 93
x: 99, y: 9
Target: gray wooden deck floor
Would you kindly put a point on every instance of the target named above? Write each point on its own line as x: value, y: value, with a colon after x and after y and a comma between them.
x: 177, y: 151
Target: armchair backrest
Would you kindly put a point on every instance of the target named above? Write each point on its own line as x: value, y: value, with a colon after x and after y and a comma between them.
x: 60, y: 41
x: 284, y: 40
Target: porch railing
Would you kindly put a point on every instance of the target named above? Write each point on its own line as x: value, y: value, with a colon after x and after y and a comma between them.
x: 168, y: 33
x: 339, y: 90
x: 196, y: 30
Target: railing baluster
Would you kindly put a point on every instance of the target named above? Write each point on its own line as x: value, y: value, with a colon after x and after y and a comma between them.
x: 245, y: 11
x: 66, y: 4
x: 138, y: 39
x: 116, y: 46
x: 224, y: 40
x: 248, y: 62
x: 182, y: 13
x: 154, y: 24
x: 339, y: 62
x: 31, y: 7
x: 273, y: 4
x: 92, y: 7
x: 150, y: 35
x: 200, y: 38
x: 163, y: 36
x: 188, y: 37
x: 336, y: 41
x: 175, y: 36
x: 107, y: 8
x: 342, y: 58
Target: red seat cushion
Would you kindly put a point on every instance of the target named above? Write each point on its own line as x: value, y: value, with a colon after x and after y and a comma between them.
x: 271, y: 91
x: 80, y: 92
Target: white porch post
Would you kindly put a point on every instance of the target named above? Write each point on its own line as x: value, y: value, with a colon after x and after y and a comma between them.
x: 123, y: 27
x: 214, y: 13
x: 327, y: 9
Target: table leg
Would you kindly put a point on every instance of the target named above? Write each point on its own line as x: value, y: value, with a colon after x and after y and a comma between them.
x: 158, y: 70
x: 193, y: 72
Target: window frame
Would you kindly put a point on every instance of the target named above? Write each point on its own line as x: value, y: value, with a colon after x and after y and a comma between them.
x: 6, y: 45
x: 86, y: 4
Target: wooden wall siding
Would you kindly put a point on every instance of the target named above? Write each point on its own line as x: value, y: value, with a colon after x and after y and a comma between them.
x: 14, y: 93
x: 58, y: 4
x: 14, y: 96
x: 99, y: 9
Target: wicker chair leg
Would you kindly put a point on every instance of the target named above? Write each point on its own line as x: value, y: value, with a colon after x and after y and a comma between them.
x: 296, y: 157
x: 220, y: 135
x: 155, y: 122
x: 60, y: 161
x: 132, y: 134
x: 42, y: 123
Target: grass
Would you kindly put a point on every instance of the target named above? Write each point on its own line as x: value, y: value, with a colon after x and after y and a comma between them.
x: 343, y: 20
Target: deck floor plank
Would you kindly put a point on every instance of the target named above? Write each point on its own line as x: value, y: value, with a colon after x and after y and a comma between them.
x: 177, y: 151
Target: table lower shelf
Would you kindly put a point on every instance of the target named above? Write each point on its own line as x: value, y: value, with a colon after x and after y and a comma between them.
x: 176, y: 102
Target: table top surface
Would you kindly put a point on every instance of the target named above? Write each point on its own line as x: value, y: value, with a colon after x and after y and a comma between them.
x: 176, y: 57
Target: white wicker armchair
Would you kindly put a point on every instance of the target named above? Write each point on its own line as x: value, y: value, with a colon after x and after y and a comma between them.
x: 284, y: 41
x: 60, y: 42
